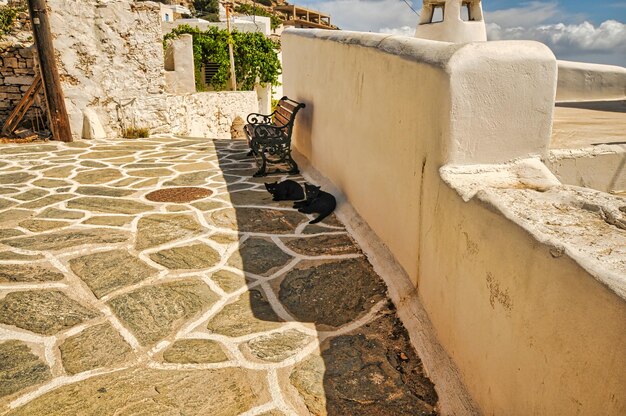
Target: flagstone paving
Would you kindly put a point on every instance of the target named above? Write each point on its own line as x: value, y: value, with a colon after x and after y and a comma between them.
x: 113, y: 304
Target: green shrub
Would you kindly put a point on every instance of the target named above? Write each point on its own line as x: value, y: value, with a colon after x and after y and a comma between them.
x: 7, y: 17
x: 136, y: 132
x: 255, y: 56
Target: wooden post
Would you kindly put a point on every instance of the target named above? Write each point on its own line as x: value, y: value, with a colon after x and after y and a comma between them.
x: 233, y: 76
x: 59, y: 121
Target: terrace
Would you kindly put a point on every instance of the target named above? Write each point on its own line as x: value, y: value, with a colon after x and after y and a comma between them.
x: 227, y: 304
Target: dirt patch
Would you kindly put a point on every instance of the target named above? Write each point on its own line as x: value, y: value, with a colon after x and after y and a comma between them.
x: 178, y: 195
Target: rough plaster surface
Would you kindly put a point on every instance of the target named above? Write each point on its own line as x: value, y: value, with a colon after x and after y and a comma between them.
x: 112, y: 68
x: 207, y: 114
x: 109, y: 52
x: 502, y: 301
x: 585, y: 224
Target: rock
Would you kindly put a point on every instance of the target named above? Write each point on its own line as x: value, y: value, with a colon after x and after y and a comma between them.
x: 157, y: 229
x: 38, y: 226
x: 308, y: 378
x: 250, y: 313
x: 5, y: 203
x: 103, y: 191
x: 257, y: 220
x: 363, y: 374
x: 20, y: 368
x: 331, y: 293
x: 208, y: 205
x: 15, y: 178
x: 50, y: 183
x: 259, y: 198
x: 108, y: 271
x: 195, y: 351
x: 153, y: 312
x: 65, y: 239
x: 31, y: 194
x: 196, y: 256
x: 189, y: 179
x: 151, y: 173
x: 46, y: 201
x: 8, y: 233
x: 61, y: 214
x: 225, y: 238
x: 44, y: 312
x: 62, y: 172
x: 142, y: 391
x: 111, y: 221
x: 278, y: 346
x: 97, y: 176
x: 28, y: 273
x: 92, y: 127
x: 109, y: 205
x: 97, y: 346
x: 323, y: 245
x: 228, y: 281
x: 11, y: 255
x: 259, y: 256
x: 197, y: 166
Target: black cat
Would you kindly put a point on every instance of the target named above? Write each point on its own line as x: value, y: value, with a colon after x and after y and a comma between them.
x: 285, y: 191
x: 317, y: 201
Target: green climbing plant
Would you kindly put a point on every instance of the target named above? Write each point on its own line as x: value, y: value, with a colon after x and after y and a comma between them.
x: 255, y: 56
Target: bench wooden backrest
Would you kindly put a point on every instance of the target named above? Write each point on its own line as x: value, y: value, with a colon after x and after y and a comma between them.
x: 286, y: 111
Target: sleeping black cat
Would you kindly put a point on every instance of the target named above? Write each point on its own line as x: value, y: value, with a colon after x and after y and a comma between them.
x: 285, y: 191
x: 317, y: 201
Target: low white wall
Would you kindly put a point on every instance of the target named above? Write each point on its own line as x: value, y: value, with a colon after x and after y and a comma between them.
x: 207, y: 114
x: 601, y: 167
x: 590, y: 82
x: 179, y: 66
x: 383, y: 114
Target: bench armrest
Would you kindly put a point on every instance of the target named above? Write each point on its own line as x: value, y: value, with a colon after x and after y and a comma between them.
x: 265, y: 133
x: 255, y: 118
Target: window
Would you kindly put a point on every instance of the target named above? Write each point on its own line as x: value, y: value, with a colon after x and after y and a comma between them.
x: 466, y: 12
x: 167, y: 17
x: 210, y: 69
x: 438, y: 12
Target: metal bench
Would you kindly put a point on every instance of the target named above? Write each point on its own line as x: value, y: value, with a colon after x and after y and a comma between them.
x: 269, y: 136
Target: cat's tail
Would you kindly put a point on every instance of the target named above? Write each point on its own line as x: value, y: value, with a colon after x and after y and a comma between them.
x: 320, y: 218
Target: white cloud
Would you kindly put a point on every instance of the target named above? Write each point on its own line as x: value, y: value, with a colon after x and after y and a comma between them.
x: 403, y: 31
x: 532, y: 13
x: 605, y: 43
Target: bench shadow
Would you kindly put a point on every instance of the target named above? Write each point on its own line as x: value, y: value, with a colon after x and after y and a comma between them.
x: 315, y: 315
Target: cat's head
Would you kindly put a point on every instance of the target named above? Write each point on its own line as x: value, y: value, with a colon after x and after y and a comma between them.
x: 271, y: 187
x: 312, y: 191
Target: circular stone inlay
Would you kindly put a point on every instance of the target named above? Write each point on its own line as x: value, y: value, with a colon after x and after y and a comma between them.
x: 178, y: 195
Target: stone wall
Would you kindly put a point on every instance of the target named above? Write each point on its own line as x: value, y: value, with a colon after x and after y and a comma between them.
x: 109, y: 52
x: 113, y: 74
x: 17, y: 72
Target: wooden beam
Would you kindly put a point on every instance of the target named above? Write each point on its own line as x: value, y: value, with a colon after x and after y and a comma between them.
x: 22, y: 107
x: 57, y: 113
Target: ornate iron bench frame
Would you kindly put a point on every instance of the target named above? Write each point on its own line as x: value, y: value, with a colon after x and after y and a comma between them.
x: 269, y: 136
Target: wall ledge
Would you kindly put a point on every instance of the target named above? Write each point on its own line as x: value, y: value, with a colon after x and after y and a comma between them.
x: 586, y: 225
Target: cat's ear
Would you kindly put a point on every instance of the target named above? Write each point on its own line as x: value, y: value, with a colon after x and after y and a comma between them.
x: 267, y: 185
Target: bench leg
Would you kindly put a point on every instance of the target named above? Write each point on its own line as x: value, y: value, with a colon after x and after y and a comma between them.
x: 263, y: 169
x: 292, y: 164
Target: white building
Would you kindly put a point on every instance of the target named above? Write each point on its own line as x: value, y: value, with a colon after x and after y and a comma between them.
x: 455, y: 21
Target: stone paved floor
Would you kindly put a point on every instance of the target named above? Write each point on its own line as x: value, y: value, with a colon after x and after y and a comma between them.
x: 233, y: 304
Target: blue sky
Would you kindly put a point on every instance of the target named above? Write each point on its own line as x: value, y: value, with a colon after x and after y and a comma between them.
x: 577, y: 30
